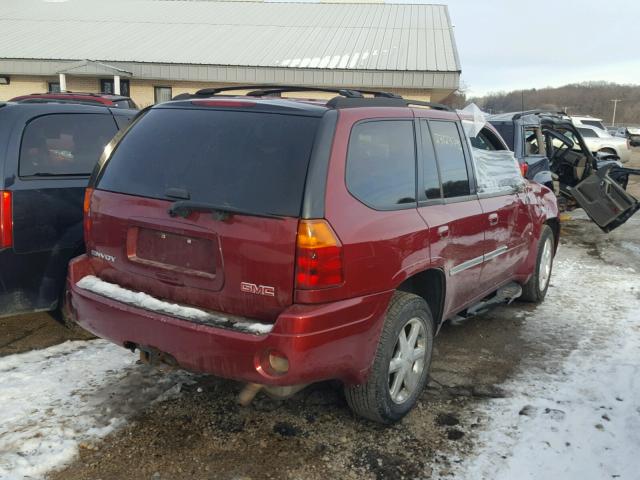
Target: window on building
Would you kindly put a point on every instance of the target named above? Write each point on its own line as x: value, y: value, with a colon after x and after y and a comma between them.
x: 107, y: 86
x: 64, y: 144
x: 381, y: 163
x: 430, y: 175
x: 162, y: 94
x: 453, y: 167
x: 53, y: 87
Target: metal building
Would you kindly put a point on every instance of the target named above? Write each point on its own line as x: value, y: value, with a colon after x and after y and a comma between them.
x: 153, y: 49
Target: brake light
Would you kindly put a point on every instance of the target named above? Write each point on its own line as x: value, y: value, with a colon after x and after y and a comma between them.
x: 524, y: 168
x: 86, y: 210
x: 318, y: 256
x: 6, y: 220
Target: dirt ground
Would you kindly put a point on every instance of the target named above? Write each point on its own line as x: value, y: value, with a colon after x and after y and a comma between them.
x: 203, y: 433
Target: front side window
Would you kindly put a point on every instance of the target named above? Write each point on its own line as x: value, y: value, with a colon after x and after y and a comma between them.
x: 64, y: 144
x: 587, y: 132
x: 430, y: 175
x: 453, y: 167
x: 381, y: 168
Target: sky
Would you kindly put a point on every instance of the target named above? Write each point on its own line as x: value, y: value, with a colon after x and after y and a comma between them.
x: 511, y: 45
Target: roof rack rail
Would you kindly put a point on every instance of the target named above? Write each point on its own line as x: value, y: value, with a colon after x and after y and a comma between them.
x: 266, y: 90
x: 347, y: 97
x: 341, y: 102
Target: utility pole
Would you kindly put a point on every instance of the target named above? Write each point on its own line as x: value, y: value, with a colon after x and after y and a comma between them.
x: 615, y: 105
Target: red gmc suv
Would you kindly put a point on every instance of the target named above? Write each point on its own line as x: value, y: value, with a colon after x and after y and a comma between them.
x: 281, y: 242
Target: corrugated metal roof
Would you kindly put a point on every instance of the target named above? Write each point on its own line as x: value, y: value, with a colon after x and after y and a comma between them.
x: 386, y: 37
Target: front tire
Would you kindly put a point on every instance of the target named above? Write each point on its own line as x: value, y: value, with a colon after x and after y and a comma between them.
x: 400, y: 368
x: 536, y: 288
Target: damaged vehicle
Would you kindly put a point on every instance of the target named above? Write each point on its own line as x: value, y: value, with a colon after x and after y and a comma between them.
x: 281, y: 242
x: 552, y: 151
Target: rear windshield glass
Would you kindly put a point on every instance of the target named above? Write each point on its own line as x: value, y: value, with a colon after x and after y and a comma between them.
x: 251, y: 161
x: 64, y: 143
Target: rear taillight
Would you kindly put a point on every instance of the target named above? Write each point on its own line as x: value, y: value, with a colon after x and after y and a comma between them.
x: 524, y: 168
x: 86, y: 210
x: 6, y: 220
x: 318, y: 256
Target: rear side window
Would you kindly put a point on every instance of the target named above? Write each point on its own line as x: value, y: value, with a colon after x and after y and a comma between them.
x: 250, y: 161
x: 64, y: 144
x: 453, y: 167
x: 381, y: 163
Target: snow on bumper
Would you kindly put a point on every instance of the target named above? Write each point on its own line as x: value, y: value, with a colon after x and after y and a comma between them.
x: 328, y: 341
x: 147, y: 302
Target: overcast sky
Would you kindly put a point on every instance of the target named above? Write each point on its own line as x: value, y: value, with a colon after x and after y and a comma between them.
x: 512, y: 44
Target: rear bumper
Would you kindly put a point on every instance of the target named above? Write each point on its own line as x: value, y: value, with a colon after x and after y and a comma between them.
x: 322, y: 342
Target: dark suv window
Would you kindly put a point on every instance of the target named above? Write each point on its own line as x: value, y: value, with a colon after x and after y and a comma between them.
x: 453, y: 168
x: 381, y: 168
x: 250, y: 161
x: 64, y: 143
x: 430, y: 176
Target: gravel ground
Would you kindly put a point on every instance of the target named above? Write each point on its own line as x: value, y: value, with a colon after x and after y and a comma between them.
x: 202, y: 433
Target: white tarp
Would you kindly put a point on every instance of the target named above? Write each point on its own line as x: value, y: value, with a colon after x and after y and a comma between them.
x: 497, y: 171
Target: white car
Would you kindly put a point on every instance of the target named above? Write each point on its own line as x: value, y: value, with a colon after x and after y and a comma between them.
x: 601, y: 141
x: 588, y: 121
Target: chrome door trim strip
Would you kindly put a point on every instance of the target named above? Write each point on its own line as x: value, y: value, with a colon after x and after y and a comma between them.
x: 466, y: 265
x: 478, y: 260
x: 496, y: 253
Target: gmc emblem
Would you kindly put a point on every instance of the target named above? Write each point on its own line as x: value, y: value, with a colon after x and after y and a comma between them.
x: 257, y: 289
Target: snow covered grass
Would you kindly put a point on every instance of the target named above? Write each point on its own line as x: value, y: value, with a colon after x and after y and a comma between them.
x: 52, y: 400
x: 142, y: 300
x: 574, y: 413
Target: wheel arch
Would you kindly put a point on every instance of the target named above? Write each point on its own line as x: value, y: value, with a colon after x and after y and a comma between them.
x: 554, y: 224
x: 429, y: 284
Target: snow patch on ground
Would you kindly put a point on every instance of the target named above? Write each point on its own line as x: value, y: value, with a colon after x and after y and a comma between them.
x: 576, y: 414
x: 143, y: 300
x: 53, y: 399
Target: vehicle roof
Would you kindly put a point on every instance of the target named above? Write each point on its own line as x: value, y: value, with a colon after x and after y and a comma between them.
x: 40, y: 108
x: 268, y: 98
x: 585, y: 117
x: 104, y: 98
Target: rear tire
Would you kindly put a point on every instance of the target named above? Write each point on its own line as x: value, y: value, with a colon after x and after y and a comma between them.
x: 536, y: 288
x: 63, y: 315
x: 400, y: 368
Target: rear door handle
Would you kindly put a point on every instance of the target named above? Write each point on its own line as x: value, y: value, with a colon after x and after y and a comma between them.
x: 493, y: 219
x: 443, y: 231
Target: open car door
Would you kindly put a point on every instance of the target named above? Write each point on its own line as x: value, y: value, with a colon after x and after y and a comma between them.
x: 604, y: 199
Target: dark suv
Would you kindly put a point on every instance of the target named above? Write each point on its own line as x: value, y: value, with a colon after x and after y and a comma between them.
x: 282, y: 242
x: 47, y: 152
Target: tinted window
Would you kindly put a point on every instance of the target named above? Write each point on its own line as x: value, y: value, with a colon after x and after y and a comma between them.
x: 587, y: 132
x: 381, y: 169
x: 430, y: 177
x: 486, y: 140
x: 64, y: 144
x: 507, y: 132
x: 594, y: 123
x: 251, y: 161
x: 453, y: 168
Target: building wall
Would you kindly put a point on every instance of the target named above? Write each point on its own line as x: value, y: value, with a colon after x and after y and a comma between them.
x: 143, y: 93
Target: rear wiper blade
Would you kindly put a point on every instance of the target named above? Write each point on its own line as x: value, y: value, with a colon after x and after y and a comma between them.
x: 182, y: 208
